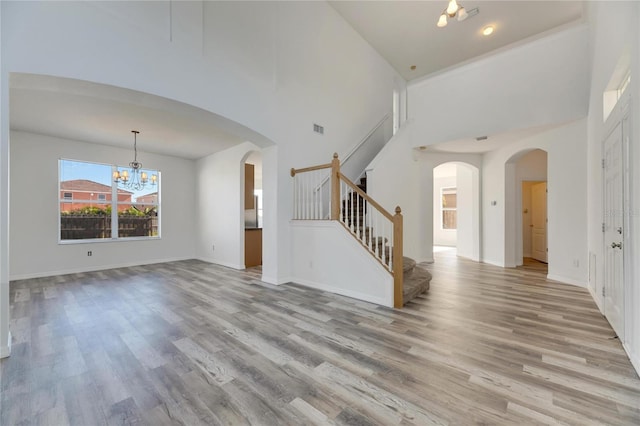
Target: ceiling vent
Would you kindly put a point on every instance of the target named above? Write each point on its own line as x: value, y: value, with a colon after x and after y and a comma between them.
x: 482, y: 138
x: 318, y: 129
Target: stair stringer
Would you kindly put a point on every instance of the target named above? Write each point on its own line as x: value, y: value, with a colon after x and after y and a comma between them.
x: 336, y: 262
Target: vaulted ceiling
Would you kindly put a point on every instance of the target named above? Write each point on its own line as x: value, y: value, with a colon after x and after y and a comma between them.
x: 403, y: 32
x: 406, y: 35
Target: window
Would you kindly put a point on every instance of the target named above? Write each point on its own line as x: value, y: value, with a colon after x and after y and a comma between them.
x: 449, y: 208
x: 93, y: 207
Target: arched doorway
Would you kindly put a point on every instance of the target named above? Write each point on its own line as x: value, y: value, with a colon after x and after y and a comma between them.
x: 526, y: 208
x: 456, y: 208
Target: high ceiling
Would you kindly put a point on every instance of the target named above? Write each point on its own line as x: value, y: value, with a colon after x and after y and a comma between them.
x: 405, y: 32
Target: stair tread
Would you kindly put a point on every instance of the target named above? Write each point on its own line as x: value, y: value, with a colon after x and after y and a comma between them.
x: 416, y: 284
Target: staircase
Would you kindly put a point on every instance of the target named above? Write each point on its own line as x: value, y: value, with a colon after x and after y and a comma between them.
x: 416, y: 280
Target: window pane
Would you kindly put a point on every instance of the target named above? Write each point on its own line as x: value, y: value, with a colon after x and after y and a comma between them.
x: 449, y: 198
x: 134, y: 221
x: 81, y: 222
x: 85, y: 200
x: 449, y: 219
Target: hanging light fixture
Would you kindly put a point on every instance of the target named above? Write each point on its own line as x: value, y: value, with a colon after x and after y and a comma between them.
x: 135, y: 179
x: 454, y: 10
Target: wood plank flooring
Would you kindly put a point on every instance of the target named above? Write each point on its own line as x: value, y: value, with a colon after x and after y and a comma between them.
x: 190, y: 343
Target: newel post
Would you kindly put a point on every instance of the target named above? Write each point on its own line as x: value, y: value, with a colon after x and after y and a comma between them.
x: 397, y: 258
x: 335, y: 187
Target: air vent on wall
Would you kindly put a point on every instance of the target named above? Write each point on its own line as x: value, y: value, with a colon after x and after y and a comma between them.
x: 318, y: 129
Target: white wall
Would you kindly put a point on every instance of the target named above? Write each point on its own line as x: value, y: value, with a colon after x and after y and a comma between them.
x: 5, y: 336
x: 615, y: 34
x: 328, y: 258
x: 34, y: 201
x: 220, y: 206
x: 408, y: 183
x: 533, y: 84
x: 442, y: 237
x: 469, y: 212
x: 566, y: 202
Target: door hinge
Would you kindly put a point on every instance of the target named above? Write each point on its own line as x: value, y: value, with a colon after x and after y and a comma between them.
x: 603, y: 163
x: 602, y: 226
x: 603, y: 291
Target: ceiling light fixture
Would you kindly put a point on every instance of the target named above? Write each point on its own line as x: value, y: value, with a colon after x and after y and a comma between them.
x: 453, y: 10
x: 488, y: 30
x: 135, y: 179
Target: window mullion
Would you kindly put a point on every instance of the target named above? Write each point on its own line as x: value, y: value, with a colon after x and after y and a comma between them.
x: 114, y: 205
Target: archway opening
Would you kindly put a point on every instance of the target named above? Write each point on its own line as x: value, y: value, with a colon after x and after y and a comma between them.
x: 526, y: 210
x: 456, y: 209
x: 252, y: 206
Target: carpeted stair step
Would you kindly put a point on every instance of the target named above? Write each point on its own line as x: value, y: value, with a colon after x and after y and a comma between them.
x: 408, y: 266
x: 416, y: 284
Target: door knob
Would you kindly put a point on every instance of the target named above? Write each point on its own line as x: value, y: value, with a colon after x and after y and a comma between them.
x: 619, y: 230
x: 618, y: 245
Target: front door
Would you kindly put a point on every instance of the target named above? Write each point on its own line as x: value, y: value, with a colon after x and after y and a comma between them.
x: 539, y: 221
x: 614, y: 226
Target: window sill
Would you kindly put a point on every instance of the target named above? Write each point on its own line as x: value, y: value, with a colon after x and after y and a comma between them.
x: 106, y: 240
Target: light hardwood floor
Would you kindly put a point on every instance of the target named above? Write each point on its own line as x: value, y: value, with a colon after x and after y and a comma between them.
x: 192, y: 343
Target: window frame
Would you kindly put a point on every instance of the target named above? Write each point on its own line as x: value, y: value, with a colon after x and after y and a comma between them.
x: 443, y: 192
x: 113, y: 203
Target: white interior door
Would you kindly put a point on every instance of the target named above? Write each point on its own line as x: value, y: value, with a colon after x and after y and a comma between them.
x: 613, y: 229
x: 539, y: 221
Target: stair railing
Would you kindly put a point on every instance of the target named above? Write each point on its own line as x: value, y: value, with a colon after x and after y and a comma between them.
x: 379, y: 231
x: 382, y: 131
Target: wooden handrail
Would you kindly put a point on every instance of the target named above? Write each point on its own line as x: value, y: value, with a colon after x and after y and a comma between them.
x: 310, y: 169
x: 366, y: 197
x: 394, y: 263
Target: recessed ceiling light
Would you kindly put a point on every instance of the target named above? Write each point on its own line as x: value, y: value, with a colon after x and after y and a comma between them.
x: 488, y: 30
x: 413, y: 67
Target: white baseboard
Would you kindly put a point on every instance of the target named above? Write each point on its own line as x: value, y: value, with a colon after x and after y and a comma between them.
x: 93, y: 268
x: 494, y: 263
x: 343, y: 292
x: 5, y: 351
x: 275, y: 280
x: 566, y: 280
x: 635, y: 360
x: 222, y: 263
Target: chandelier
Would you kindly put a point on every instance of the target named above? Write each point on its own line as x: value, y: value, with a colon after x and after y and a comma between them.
x: 135, y: 179
x: 453, y: 10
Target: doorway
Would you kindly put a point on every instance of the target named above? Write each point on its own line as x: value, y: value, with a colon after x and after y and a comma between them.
x: 615, y: 179
x: 253, y: 210
x: 526, y: 186
x: 456, y: 209
x: 534, y: 221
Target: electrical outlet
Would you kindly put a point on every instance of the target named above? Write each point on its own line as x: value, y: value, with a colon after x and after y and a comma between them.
x: 89, y: 253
